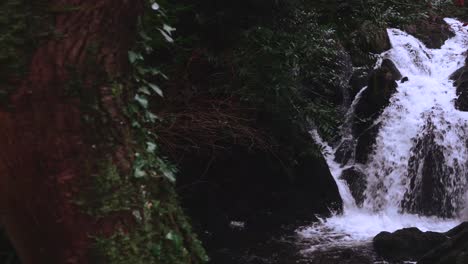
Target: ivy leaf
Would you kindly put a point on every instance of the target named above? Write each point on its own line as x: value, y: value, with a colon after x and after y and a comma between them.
x: 155, y: 6
x: 139, y: 173
x: 151, y: 117
x: 133, y: 56
x: 144, y: 90
x: 156, y: 89
x: 156, y: 250
x: 144, y: 36
x: 168, y: 174
x: 135, y: 124
x: 142, y: 101
x: 170, y: 236
x: 168, y: 29
x: 150, y: 147
x: 166, y: 35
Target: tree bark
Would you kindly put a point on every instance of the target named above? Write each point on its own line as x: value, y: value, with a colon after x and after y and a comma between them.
x: 43, y: 139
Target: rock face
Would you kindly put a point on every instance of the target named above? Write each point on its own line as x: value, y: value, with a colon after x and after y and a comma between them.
x: 433, y: 31
x: 460, y: 78
x: 408, y: 244
x: 381, y: 86
x: 425, y: 247
x: 357, y: 183
x: 453, y: 251
x: 255, y: 189
x: 428, y: 174
x: 365, y: 143
x: 345, y: 151
x: 359, y: 79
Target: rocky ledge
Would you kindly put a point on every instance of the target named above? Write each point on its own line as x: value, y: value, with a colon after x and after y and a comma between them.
x: 411, y: 244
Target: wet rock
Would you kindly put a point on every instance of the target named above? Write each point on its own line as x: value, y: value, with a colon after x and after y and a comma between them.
x: 313, y: 172
x: 392, y: 72
x: 457, y: 230
x: 356, y: 255
x: 382, y: 85
x: 365, y: 143
x: 254, y: 188
x: 359, y: 79
x: 345, y: 151
x: 404, y: 79
x: 408, y: 244
x: 432, y: 31
x: 455, y: 75
x: 460, y: 78
x: 357, y: 183
x: 453, y: 251
x: 429, y: 174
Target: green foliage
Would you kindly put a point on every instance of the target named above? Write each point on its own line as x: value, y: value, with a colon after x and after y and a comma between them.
x: 18, y: 39
x: 109, y: 192
x: 350, y: 14
x: 292, y: 70
x: 151, y: 37
x: 161, y: 233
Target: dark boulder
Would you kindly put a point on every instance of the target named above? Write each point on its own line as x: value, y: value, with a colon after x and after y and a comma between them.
x: 391, y: 70
x: 259, y: 191
x: 405, y: 79
x: 432, y: 31
x: 358, y: 254
x: 453, y: 251
x: 457, y: 230
x: 380, y: 88
x: 408, y: 244
x: 382, y: 85
x: 455, y: 75
x: 460, y: 78
x: 357, y: 183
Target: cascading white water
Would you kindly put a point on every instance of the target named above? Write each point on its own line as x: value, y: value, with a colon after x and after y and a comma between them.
x: 421, y: 115
x: 428, y: 95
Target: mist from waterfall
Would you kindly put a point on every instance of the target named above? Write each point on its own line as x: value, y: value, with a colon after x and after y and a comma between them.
x: 420, y: 120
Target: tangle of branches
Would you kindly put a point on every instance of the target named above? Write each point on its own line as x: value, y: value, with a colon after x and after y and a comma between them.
x: 209, y: 125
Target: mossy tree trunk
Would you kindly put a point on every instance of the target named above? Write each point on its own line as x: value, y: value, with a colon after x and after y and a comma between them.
x: 62, y: 123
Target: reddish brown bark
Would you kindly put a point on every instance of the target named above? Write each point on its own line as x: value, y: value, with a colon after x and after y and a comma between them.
x: 42, y: 138
x: 460, y: 3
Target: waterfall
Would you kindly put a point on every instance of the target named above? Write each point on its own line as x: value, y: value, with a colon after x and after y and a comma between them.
x: 417, y: 170
x: 422, y: 136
